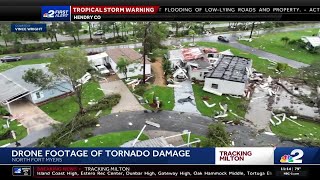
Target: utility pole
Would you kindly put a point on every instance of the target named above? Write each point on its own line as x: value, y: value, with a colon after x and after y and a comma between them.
x: 251, y: 30
x: 144, y: 50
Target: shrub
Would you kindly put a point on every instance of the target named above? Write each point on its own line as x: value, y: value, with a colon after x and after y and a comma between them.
x: 5, y: 135
x: 281, y: 67
x: 140, y: 90
x: 217, y: 136
x: 85, y: 31
x: 3, y: 111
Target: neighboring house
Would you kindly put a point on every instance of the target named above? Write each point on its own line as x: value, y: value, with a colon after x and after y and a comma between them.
x: 175, y: 57
x: 98, y: 59
x: 13, y: 87
x: 312, y: 42
x: 135, y: 59
x: 230, y: 76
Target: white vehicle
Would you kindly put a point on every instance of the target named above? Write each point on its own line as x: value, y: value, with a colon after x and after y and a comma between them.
x: 102, y: 69
x: 84, y: 78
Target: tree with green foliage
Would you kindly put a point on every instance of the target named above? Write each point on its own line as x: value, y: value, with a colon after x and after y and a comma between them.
x: 311, y: 74
x: 122, y: 66
x: 52, y: 31
x: 285, y: 40
x: 192, y: 33
x: 166, y: 66
x: 281, y: 66
x: 217, y: 136
x: 67, y: 65
x: 6, y: 33
x: 72, y: 29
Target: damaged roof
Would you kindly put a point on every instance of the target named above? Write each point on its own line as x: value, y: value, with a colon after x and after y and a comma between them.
x: 128, y: 53
x: 231, y: 68
x: 200, y: 63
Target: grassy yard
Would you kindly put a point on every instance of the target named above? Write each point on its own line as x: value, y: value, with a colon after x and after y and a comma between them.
x: 9, y: 65
x: 194, y: 137
x: 65, y: 109
x: 21, y: 131
x: 272, y: 43
x: 115, y: 139
x: 165, y: 94
x: 237, y: 105
x: 259, y: 64
x: 309, y: 132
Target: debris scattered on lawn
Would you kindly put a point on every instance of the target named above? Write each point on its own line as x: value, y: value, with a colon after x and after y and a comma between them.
x: 98, y: 125
x: 86, y: 140
x: 98, y: 113
x: 269, y: 133
x: 19, y: 125
x: 311, y: 134
x: 169, y: 102
x: 117, y: 115
x: 209, y: 105
x: 300, y: 134
x: 130, y: 123
x: 235, y: 96
x: 295, y: 122
x: 223, y: 115
x: 232, y: 143
x: 228, y: 98
x: 272, y: 122
x: 224, y: 107
x: 133, y: 81
x: 235, y: 114
x: 101, y: 142
x: 297, y: 139
x: 293, y: 117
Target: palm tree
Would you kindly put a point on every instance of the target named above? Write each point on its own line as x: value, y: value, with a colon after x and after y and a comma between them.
x: 285, y: 40
x: 122, y: 65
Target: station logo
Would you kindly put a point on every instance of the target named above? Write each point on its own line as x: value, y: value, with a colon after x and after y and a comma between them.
x: 21, y: 171
x: 294, y: 157
x: 55, y: 13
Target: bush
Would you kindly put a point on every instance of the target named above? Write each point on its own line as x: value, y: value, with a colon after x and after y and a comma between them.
x: 3, y: 111
x: 140, y: 90
x: 217, y: 136
x: 166, y: 66
x: 281, y: 67
x: 5, y: 135
x: 55, y: 45
x: 85, y: 31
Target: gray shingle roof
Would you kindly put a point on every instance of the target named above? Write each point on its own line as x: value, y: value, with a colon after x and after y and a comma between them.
x: 11, y: 82
x: 231, y: 68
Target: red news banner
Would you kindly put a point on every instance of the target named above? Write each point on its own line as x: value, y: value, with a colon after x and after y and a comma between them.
x: 114, y: 10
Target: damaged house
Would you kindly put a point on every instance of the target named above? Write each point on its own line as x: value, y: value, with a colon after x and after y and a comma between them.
x: 229, y: 76
x: 192, y: 63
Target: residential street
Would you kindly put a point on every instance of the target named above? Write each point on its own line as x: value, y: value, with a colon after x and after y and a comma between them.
x: 212, y: 38
x: 177, y: 122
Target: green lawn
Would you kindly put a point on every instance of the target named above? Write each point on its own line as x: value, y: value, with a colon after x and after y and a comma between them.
x: 237, y: 105
x: 194, y: 137
x: 115, y: 139
x: 259, y: 64
x: 165, y: 94
x: 9, y: 65
x: 21, y: 131
x: 288, y: 129
x: 65, y: 109
x: 272, y: 43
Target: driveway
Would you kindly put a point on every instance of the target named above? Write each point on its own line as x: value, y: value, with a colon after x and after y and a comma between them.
x: 181, y: 93
x: 127, y: 102
x: 242, y: 136
x: 31, y: 116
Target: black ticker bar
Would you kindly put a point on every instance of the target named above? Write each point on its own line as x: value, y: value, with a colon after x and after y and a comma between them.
x: 161, y: 171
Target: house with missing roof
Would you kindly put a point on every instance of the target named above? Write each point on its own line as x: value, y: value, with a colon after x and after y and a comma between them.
x: 14, y: 88
x: 197, y: 62
x: 135, y: 59
x: 229, y: 76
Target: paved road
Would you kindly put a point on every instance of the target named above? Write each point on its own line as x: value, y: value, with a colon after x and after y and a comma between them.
x: 212, y: 38
x: 177, y: 122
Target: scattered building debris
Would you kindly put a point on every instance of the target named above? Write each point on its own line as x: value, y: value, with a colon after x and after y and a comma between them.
x: 269, y: 133
x: 98, y: 113
x: 209, y: 105
x: 98, y: 125
x: 130, y: 124
x: 295, y: 122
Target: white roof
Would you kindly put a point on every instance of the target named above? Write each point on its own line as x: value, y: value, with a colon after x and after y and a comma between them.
x: 313, y: 40
x: 175, y: 55
x: 97, y: 56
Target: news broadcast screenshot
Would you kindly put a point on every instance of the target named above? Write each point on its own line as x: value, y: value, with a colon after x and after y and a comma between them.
x: 159, y: 89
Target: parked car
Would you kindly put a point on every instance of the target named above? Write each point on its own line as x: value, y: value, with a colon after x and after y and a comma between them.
x: 102, y: 70
x: 98, y: 33
x: 10, y: 58
x: 223, y: 39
